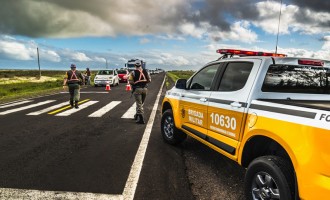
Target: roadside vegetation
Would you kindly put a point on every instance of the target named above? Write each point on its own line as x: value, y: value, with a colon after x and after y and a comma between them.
x: 172, y: 76
x: 18, y: 84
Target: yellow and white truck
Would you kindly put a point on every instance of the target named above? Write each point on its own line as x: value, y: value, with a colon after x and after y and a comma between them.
x: 268, y: 112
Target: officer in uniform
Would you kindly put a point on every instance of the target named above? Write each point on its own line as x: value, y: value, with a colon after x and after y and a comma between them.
x: 73, y: 79
x: 139, y: 78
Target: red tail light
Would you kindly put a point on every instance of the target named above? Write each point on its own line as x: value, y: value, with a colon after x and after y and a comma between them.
x: 248, y: 53
x: 311, y: 62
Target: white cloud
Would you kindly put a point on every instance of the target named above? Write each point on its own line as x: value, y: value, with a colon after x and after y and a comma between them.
x: 144, y: 40
x: 79, y: 57
x: 18, y: 50
x: 310, y: 22
x: 326, y: 45
x: 99, y: 59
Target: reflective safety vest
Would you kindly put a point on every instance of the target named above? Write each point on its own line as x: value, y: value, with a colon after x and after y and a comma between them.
x: 141, y: 78
x: 73, y: 76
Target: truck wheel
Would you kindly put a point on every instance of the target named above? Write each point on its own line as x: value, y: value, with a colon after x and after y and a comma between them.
x: 269, y: 177
x: 170, y: 133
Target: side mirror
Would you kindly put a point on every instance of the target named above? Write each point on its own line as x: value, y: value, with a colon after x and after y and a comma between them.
x: 181, y: 84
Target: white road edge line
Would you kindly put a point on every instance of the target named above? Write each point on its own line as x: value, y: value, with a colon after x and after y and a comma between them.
x: 133, y: 177
x: 130, y: 186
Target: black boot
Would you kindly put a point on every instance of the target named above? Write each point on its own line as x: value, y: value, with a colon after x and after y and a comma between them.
x: 140, y: 119
x: 135, y: 117
x: 71, y: 103
x: 76, y: 104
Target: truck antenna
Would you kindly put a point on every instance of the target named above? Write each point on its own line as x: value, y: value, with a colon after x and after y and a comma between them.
x: 278, y: 27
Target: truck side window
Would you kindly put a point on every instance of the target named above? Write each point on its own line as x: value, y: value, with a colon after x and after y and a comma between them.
x: 235, y: 76
x: 297, y: 79
x: 204, y: 78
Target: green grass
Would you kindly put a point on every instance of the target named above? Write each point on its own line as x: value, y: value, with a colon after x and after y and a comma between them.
x: 18, y: 84
x: 175, y: 75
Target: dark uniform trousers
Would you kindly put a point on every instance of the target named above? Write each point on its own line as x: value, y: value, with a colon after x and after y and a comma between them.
x: 74, y: 91
x: 140, y: 95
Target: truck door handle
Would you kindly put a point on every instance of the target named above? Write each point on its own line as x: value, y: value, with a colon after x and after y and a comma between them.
x: 203, y: 99
x: 236, y: 104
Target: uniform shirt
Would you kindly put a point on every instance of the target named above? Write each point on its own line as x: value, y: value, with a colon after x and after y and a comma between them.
x: 73, y: 76
x: 139, y: 78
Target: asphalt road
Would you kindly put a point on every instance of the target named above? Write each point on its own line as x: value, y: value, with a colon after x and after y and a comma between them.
x: 97, y: 153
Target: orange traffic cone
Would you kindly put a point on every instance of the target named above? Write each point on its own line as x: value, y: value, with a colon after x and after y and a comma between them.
x: 128, y: 87
x: 107, y: 87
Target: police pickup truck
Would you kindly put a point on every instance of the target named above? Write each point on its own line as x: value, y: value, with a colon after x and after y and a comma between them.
x: 268, y: 112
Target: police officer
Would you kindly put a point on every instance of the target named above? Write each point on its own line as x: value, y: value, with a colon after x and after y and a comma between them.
x: 88, y: 77
x: 73, y: 79
x: 139, y: 78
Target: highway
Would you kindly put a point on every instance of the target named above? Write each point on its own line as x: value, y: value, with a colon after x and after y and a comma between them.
x: 49, y: 151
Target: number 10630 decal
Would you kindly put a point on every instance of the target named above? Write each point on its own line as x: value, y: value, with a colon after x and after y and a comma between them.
x: 218, y: 122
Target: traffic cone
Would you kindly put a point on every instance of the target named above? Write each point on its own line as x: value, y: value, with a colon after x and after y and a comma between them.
x: 107, y: 87
x: 128, y: 87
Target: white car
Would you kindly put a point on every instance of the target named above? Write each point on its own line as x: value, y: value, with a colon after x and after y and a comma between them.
x: 107, y: 75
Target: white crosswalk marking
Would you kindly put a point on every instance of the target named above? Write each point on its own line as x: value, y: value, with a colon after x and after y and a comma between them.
x: 73, y: 110
x: 130, y: 112
x: 15, y: 104
x: 48, y: 109
x: 25, y: 107
x: 105, y: 109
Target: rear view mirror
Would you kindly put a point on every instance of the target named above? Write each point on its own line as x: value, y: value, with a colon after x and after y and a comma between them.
x: 181, y: 83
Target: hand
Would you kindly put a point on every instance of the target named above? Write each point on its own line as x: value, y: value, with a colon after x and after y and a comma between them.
x: 64, y: 87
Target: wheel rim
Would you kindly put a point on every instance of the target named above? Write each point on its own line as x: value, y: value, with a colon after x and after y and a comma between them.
x: 168, y: 127
x: 264, y: 187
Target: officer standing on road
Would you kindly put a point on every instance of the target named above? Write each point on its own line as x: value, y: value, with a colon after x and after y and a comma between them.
x: 88, y: 76
x: 139, y: 78
x: 73, y: 79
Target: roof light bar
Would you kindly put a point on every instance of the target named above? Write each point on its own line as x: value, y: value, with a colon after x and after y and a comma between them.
x: 248, y: 53
x: 311, y: 62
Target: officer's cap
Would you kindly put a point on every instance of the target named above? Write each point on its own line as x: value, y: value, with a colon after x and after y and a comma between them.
x: 73, y: 66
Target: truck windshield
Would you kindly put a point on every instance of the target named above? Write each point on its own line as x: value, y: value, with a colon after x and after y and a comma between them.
x: 297, y: 79
x: 131, y: 66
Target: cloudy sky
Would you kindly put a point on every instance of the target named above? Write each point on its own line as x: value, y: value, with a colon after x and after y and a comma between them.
x: 171, y: 34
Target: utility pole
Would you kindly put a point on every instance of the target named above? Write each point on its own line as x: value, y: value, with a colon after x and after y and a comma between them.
x: 106, y: 64
x: 39, y: 63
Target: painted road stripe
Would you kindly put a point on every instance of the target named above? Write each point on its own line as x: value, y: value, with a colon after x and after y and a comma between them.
x: 66, y: 107
x: 73, y: 110
x: 130, y: 112
x: 15, y: 104
x: 133, y: 178
x: 48, y: 109
x: 90, y: 92
x: 10, y: 193
x: 25, y: 107
x: 105, y: 109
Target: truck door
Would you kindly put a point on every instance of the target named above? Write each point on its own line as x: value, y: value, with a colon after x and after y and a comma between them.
x: 194, y: 101
x: 227, y: 106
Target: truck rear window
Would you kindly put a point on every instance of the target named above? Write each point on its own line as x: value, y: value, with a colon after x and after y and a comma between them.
x: 297, y: 79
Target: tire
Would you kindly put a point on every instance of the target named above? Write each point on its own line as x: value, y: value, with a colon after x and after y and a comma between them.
x: 269, y: 177
x: 170, y: 133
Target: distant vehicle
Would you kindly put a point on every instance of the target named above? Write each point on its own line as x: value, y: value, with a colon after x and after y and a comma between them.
x: 107, y: 75
x: 123, y: 75
x: 130, y: 65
